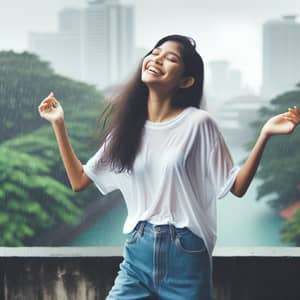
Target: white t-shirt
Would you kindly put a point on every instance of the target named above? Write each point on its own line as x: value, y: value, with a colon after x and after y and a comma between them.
x: 182, y: 168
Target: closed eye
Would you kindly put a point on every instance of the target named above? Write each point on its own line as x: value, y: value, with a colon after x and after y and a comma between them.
x: 168, y: 55
x: 172, y: 59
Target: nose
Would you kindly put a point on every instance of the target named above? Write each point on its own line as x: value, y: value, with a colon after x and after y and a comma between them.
x: 158, y: 59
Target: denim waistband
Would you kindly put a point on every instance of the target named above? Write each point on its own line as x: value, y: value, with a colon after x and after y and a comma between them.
x: 143, y: 226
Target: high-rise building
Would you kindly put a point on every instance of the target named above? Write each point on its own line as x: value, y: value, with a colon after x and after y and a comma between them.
x: 69, y: 21
x: 61, y: 49
x: 281, y: 55
x: 224, y: 82
x: 218, y: 78
x: 234, y: 83
x: 108, y: 42
x: 95, y: 44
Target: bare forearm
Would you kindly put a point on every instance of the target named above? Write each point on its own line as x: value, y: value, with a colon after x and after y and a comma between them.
x: 249, y: 169
x: 72, y: 164
x: 281, y: 124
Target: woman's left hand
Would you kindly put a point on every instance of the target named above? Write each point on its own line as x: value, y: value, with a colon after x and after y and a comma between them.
x: 294, y: 115
x: 282, y: 124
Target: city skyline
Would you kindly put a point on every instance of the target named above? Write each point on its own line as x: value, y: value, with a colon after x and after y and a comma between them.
x: 281, y: 55
x: 94, y: 44
x: 230, y: 30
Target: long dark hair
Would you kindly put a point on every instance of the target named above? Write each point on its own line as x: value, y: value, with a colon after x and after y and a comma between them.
x: 127, y: 112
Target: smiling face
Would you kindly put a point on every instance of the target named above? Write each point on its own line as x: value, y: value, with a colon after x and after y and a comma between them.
x: 164, y: 66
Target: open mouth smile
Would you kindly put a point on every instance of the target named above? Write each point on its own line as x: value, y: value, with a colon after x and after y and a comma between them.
x: 154, y: 70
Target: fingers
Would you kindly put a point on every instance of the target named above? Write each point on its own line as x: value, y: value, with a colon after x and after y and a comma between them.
x: 295, y: 110
x: 46, y: 107
x: 293, y: 115
x: 49, y: 102
x: 49, y: 98
x: 291, y: 119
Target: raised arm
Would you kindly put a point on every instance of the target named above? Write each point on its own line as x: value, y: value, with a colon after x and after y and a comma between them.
x: 281, y: 124
x: 51, y: 110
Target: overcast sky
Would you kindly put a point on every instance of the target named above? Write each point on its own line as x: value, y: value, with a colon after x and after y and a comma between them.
x: 223, y: 29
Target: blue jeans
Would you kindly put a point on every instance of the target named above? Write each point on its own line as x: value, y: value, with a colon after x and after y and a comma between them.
x: 163, y: 262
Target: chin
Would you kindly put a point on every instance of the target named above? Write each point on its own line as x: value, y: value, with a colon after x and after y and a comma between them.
x: 152, y: 81
x: 148, y: 79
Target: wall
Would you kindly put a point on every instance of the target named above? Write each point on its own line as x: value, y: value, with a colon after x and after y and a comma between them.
x: 88, y: 273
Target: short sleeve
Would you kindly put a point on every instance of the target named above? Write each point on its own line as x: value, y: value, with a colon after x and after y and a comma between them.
x: 103, y: 177
x: 222, y: 170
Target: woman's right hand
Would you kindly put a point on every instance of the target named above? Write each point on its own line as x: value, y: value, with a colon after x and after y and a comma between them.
x: 51, y: 110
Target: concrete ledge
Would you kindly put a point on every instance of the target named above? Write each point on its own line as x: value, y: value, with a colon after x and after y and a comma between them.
x: 257, y: 252
x: 117, y: 251
x: 60, y: 251
x: 88, y: 273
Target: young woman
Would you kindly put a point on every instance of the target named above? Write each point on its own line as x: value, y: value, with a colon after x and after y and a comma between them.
x: 171, y: 163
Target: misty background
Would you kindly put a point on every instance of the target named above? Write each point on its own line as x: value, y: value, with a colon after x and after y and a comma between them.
x: 230, y: 30
x: 252, y: 67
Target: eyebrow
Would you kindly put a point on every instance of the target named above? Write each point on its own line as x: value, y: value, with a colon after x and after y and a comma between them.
x: 170, y: 52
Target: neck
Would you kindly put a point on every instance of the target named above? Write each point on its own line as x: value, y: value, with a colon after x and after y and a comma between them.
x: 159, y: 106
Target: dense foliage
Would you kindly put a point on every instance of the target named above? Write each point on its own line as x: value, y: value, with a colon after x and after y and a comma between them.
x: 34, y: 191
x: 280, y: 166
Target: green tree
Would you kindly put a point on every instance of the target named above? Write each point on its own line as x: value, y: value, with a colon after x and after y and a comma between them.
x: 25, y: 81
x: 30, y: 198
x: 279, y: 169
x: 34, y: 191
x: 291, y: 230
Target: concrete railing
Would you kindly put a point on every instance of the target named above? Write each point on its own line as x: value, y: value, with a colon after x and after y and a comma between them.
x: 87, y: 273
